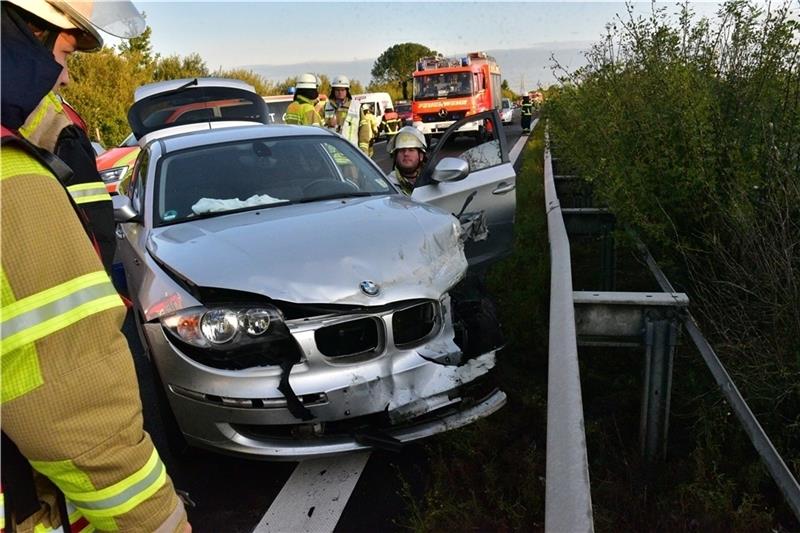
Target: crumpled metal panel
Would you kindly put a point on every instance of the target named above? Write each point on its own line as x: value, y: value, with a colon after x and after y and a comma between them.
x: 321, y: 252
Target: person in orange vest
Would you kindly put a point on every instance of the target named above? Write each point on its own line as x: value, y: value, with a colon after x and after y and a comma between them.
x: 75, y: 454
x: 391, y: 122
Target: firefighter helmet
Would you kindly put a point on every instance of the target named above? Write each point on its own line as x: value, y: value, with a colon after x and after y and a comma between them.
x: 307, y: 81
x: 340, y: 82
x: 119, y: 18
x: 407, y: 137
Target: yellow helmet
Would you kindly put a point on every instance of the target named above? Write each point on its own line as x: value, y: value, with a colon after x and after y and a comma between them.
x: 118, y: 18
x: 407, y: 137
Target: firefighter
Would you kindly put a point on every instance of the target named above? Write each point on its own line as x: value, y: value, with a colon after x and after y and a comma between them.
x: 338, y: 103
x: 367, y: 129
x: 408, y: 149
x: 391, y: 122
x: 302, y: 111
x: 526, y: 114
x: 55, y: 126
x: 74, y: 449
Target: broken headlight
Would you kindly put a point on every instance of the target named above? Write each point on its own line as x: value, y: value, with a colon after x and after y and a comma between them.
x: 226, y: 328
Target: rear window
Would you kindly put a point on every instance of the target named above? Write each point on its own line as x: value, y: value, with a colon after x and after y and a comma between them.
x: 506, y: 104
x: 195, y: 104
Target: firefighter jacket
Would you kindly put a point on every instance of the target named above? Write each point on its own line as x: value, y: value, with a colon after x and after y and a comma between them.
x: 70, y: 400
x: 336, y: 112
x: 302, y: 112
x: 405, y: 183
x: 527, y: 108
x: 367, y: 131
x: 57, y: 128
x: 391, y: 122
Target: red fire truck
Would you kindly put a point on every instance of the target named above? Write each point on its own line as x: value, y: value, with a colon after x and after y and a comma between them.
x: 448, y: 89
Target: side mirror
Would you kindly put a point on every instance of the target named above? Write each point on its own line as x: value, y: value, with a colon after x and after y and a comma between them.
x: 123, y: 210
x: 450, y: 169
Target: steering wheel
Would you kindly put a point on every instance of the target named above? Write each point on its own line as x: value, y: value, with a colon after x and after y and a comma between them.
x: 325, y: 187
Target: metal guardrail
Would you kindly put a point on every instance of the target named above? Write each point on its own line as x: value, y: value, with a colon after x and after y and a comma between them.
x: 769, y: 455
x: 568, y: 500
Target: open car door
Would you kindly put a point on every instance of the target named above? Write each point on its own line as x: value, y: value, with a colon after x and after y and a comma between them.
x: 489, y: 183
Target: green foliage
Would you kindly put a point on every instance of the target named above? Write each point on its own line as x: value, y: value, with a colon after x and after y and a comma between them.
x: 175, y: 67
x: 690, y: 132
x: 396, y: 64
x: 262, y: 86
x: 101, y: 89
x: 139, y: 46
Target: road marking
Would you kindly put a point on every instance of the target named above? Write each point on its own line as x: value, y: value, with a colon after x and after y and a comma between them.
x: 313, y: 498
x: 514, y: 154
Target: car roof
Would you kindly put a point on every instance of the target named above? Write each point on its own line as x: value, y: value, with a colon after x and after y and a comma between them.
x: 195, y: 139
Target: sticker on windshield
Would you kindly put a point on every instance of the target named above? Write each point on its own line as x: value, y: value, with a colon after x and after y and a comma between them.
x: 169, y: 215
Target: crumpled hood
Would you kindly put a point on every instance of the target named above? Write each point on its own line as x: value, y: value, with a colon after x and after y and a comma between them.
x: 321, y: 252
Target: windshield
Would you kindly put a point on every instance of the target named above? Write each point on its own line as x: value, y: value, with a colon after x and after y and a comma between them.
x: 506, y: 103
x: 258, y: 173
x: 442, y: 85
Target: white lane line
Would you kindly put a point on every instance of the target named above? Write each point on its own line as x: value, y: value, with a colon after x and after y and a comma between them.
x: 313, y: 498
x: 520, y: 144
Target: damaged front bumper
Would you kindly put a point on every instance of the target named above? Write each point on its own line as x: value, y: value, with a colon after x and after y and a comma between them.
x: 403, y: 394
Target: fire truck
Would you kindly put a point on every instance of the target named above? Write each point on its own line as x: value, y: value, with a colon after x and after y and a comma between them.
x: 447, y: 89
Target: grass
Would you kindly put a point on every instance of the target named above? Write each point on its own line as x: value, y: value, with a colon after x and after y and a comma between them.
x: 490, y: 475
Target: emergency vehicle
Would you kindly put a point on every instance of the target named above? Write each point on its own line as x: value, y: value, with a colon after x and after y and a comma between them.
x: 447, y: 89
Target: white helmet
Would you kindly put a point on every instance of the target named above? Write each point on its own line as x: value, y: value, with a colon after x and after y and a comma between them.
x: 340, y: 81
x: 407, y: 137
x: 307, y: 81
x: 119, y: 18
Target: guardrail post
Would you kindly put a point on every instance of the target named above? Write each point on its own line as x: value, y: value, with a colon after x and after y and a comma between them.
x: 608, y: 258
x: 661, y: 337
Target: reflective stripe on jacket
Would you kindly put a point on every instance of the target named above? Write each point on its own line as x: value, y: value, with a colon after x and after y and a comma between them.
x: 302, y: 112
x: 70, y: 400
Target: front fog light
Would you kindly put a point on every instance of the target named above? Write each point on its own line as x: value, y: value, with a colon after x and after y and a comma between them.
x: 219, y: 325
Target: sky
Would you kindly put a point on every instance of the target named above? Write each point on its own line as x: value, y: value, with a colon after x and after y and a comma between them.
x: 236, y: 34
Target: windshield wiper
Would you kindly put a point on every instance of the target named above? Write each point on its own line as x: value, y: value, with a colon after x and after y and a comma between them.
x: 334, y: 196
x: 211, y: 214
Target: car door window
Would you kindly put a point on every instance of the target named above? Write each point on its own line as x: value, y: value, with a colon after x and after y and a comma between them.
x: 475, y: 143
x: 136, y: 187
x: 488, y: 188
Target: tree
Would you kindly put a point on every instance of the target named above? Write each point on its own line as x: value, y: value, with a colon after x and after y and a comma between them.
x: 139, y: 48
x: 261, y: 85
x: 101, y: 89
x: 397, y: 63
x: 175, y: 67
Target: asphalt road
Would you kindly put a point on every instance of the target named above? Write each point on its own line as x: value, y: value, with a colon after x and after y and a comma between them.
x: 232, y: 494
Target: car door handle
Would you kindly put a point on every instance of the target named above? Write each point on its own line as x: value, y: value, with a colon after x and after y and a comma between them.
x: 119, y: 233
x: 504, y: 188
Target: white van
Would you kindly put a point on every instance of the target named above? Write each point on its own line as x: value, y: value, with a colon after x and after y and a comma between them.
x: 381, y: 102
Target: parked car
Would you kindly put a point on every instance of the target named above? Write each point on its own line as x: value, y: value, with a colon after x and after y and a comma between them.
x: 115, y: 163
x: 293, y: 303
x: 506, y: 111
x: 403, y: 109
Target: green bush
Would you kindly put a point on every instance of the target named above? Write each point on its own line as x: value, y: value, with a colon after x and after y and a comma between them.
x: 690, y: 132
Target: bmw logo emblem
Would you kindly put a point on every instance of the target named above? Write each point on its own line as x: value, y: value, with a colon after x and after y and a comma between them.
x: 370, y: 288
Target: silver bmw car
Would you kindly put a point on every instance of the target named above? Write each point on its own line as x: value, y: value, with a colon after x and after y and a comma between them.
x: 293, y: 303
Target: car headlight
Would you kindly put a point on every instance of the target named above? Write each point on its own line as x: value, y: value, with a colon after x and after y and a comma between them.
x: 226, y: 328
x: 113, y: 174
